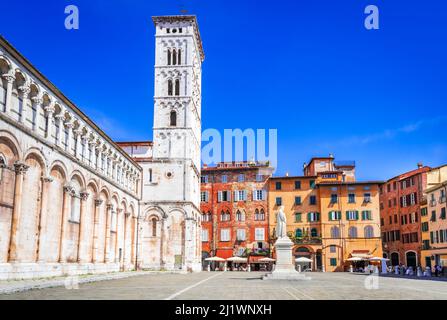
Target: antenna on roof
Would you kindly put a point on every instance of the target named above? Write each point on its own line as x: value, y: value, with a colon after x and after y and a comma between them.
x: 183, y: 11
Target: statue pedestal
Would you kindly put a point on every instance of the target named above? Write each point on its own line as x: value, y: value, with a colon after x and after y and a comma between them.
x: 285, y: 266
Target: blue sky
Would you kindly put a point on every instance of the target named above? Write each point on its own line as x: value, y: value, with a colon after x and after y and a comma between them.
x: 307, y: 68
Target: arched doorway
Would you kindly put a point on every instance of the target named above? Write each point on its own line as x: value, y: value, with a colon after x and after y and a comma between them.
x: 411, y: 259
x: 205, y: 255
x: 306, y: 253
x: 394, y: 259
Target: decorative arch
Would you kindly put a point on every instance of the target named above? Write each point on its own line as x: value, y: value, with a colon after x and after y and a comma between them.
x: 92, y: 183
x: 60, y: 166
x: 6, y: 63
x: 37, y: 154
x: 77, y: 174
x: 11, y: 141
x: 183, y: 211
x: 153, y: 210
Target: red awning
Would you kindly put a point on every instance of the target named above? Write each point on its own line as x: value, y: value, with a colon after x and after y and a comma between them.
x: 224, y: 253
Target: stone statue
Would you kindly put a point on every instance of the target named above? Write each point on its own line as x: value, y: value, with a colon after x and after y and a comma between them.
x: 281, y: 223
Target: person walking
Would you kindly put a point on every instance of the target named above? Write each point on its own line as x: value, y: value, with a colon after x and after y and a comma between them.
x: 436, y: 270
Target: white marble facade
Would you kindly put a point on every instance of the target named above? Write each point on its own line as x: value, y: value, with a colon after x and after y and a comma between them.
x: 170, y: 208
x: 72, y: 201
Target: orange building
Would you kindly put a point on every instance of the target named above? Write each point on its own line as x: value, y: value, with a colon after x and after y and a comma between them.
x: 401, y: 198
x: 330, y: 216
x: 234, y: 210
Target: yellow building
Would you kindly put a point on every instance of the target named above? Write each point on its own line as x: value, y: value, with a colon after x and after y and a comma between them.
x: 330, y: 216
x: 433, y: 219
x: 435, y: 246
x: 350, y: 222
x: 300, y: 198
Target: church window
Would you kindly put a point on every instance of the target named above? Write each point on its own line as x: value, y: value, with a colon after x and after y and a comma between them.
x: 174, y: 57
x: 169, y: 87
x: 177, y: 87
x: 150, y: 175
x: 179, y: 59
x: 154, y: 227
x: 169, y: 57
x: 173, y: 118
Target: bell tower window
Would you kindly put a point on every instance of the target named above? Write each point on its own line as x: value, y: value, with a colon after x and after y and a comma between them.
x: 169, y: 87
x: 169, y: 57
x: 173, y: 118
x: 174, y: 57
x: 177, y: 87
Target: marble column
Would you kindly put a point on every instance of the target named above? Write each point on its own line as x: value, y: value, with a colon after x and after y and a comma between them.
x: 36, y: 102
x: 107, y: 235
x: 49, y: 110
x: 98, y: 157
x: 20, y: 170
x: 95, y: 242
x: 117, y: 233
x: 80, y: 250
x: 43, y: 219
x: 77, y: 134
x: 25, y: 112
x: 69, y: 126
x: 8, y: 103
x: 59, y: 117
x: 126, y: 235
x: 68, y: 193
x: 133, y: 240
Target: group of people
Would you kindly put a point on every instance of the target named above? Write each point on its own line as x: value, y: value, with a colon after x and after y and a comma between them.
x: 402, y: 270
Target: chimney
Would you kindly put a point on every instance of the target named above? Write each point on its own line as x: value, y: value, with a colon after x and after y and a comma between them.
x: 331, y: 155
x: 420, y: 165
x: 287, y: 174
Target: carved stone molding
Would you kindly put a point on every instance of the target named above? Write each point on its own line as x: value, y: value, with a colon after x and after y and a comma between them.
x: 84, y: 195
x: 70, y: 190
x: 98, y: 202
x: 8, y: 77
x: 20, y: 167
x: 37, y: 100
x: 48, y: 179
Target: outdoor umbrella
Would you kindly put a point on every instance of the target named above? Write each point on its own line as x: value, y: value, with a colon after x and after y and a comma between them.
x: 303, y: 259
x: 266, y: 260
x: 218, y: 259
x: 355, y: 259
x: 237, y: 259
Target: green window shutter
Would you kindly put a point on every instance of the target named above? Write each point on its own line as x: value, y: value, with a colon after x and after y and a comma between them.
x: 308, y: 217
x: 318, y: 216
x: 330, y: 215
x: 347, y: 215
x: 356, y: 215
x: 339, y: 215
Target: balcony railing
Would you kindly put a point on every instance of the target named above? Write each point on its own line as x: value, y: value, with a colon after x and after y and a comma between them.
x: 314, y: 240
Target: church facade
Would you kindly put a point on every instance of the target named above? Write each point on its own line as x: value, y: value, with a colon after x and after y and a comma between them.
x: 72, y: 201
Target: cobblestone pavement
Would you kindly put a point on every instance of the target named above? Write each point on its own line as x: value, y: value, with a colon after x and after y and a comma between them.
x: 244, y: 285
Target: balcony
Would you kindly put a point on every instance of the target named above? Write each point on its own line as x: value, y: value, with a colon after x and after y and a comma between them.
x: 305, y: 240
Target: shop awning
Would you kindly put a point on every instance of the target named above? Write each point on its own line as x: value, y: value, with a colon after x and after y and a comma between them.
x: 364, y: 254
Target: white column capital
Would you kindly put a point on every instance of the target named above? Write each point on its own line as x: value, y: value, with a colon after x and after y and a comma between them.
x: 25, y: 89
x: 8, y: 77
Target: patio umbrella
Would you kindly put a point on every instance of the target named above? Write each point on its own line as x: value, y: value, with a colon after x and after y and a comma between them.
x: 378, y: 259
x: 266, y: 260
x: 218, y: 259
x: 303, y: 259
x: 355, y: 259
x: 237, y: 259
